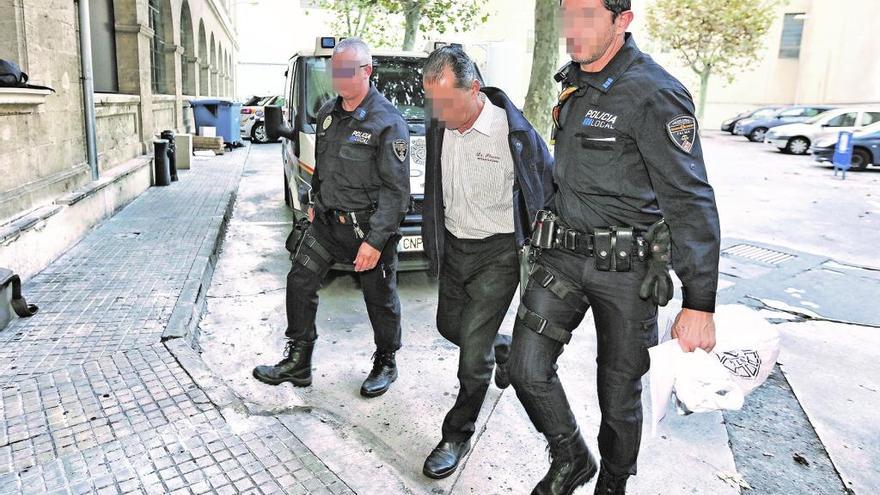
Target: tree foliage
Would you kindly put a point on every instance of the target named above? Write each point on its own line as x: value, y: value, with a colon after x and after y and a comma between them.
x: 712, y: 37
x: 397, y: 23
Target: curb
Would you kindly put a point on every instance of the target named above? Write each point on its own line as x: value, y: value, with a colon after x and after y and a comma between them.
x: 191, y: 304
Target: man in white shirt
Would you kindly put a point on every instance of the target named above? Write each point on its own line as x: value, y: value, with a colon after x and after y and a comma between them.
x: 487, y: 174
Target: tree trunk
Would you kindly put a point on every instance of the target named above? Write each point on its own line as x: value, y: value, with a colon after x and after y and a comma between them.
x: 542, y: 91
x: 413, y: 16
x: 704, y: 87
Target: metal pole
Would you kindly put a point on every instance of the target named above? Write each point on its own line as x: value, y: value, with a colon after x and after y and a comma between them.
x: 88, y: 84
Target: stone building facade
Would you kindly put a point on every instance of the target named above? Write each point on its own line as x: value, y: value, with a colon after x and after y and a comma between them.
x: 149, y: 58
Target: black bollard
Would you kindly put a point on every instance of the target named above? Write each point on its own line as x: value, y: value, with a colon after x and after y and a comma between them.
x: 160, y: 162
x: 172, y: 165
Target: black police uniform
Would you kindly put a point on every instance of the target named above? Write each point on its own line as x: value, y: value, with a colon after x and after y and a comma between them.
x: 361, y: 191
x: 627, y: 155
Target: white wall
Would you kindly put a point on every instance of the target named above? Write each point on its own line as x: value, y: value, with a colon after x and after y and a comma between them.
x: 269, y: 33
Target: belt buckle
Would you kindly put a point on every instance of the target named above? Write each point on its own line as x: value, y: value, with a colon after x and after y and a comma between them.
x: 570, y: 239
x: 541, y: 327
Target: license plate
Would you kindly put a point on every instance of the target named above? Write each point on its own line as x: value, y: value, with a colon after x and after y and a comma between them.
x: 410, y: 244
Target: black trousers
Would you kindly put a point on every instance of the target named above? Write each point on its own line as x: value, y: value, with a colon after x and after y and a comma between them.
x: 330, y: 242
x: 626, y: 326
x: 477, y: 282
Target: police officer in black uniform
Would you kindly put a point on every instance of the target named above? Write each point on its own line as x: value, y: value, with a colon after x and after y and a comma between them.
x: 629, y: 176
x: 361, y: 191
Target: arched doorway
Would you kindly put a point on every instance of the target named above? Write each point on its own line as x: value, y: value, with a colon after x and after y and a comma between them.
x: 187, y: 62
x: 204, y: 75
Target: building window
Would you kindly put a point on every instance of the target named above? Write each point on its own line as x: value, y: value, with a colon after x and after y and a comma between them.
x: 792, y: 32
x: 157, y: 49
x: 101, y: 22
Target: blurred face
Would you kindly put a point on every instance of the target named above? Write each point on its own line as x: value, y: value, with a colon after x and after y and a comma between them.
x: 589, y: 29
x: 351, y: 74
x: 451, y: 105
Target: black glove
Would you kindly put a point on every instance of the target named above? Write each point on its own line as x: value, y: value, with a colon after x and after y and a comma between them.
x: 658, y: 284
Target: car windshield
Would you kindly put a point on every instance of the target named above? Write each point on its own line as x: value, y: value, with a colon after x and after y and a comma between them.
x: 398, y: 78
x: 253, y: 100
x: 817, y: 118
x: 763, y: 113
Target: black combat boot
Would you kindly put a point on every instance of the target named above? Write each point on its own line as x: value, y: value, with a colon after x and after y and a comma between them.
x: 608, y: 484
x: 296, y: 367
x: 383, y: 375
x: 572, y: 465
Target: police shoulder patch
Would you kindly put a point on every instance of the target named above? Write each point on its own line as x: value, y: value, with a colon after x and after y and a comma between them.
x: 682, y: 131
x: 401, y: 148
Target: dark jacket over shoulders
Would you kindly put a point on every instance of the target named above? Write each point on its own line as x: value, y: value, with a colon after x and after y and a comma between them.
x: 532, y: 186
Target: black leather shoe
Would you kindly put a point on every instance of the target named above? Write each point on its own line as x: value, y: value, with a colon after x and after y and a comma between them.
x: 572, y: 465
x: 444, y: 459
x: 296, y: 367
x: 608, y: 484
x: 382, y: 376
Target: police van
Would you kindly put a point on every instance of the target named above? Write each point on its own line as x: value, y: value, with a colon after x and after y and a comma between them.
x: 397, y: 76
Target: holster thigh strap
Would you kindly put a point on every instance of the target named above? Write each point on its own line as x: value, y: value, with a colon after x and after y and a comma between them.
x: 540, y: 325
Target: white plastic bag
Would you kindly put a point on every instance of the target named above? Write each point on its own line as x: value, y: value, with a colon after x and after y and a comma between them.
x: 746, y: 350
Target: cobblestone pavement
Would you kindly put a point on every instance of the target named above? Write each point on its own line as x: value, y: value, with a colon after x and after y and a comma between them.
x: 91, y: 398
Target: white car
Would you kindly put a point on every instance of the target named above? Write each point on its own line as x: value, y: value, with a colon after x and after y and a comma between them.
x: 798, y: 137
x: 252, y: 125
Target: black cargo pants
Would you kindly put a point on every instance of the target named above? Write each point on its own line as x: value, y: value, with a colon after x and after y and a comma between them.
x: 327, y: 242
x: 564, y: 285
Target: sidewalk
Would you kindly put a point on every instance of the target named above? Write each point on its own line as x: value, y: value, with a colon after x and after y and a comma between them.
x: 94, y: 399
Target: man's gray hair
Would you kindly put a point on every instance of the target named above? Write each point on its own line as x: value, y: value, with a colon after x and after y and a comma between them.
x: 453, y: 57
x: 359, y: 46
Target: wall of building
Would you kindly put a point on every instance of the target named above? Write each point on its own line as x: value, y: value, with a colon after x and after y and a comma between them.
x: 42, y: 147
x: 840, y: 60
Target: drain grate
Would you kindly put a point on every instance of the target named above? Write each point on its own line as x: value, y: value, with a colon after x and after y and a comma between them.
x: 756, y: 253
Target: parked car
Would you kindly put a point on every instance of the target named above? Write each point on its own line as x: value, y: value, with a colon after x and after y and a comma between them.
x: 797, y: 138
x: 758, y: 113
x: 865, y: 143
x: 252, y: 124
x: 755, y: 129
